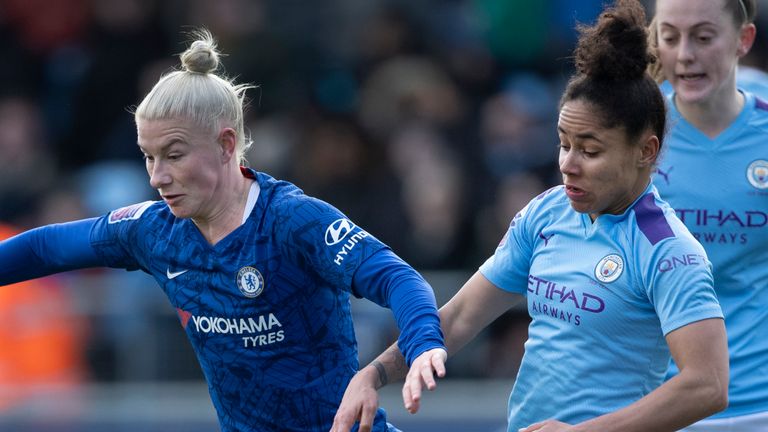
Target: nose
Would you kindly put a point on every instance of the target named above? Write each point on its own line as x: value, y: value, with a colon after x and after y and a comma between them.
x: 158, y: 175
x: 685, y: 51
x: 569, y: 164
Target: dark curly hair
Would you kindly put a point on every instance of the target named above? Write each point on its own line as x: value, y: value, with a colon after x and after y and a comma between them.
x: 611, y: 59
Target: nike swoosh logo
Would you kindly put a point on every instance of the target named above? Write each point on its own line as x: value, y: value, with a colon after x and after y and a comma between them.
x: 173, y: 275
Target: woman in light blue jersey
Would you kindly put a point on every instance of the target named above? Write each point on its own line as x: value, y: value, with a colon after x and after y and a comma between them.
x: 714, y: 173
x: 614, y: 282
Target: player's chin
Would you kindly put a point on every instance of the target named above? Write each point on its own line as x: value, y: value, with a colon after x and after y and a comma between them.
x: 581, y: 207
x: 180, y: 212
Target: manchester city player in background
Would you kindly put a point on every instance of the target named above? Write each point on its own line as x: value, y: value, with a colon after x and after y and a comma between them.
x: 259, y: 273
x: 714, y: 173
x: 614, y: 281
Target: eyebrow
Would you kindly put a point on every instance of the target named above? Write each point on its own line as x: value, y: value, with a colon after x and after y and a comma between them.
x: 165, y: 146
x: 695, y: 26
x: 581, y: 136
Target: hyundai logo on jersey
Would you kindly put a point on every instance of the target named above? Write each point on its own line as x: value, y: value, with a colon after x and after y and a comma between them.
x: 338, y: 230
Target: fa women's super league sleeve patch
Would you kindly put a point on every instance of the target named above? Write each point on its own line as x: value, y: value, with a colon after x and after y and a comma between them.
x: 130, y: 212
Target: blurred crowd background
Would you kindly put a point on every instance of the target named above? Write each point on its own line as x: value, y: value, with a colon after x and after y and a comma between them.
x: 430, y: 123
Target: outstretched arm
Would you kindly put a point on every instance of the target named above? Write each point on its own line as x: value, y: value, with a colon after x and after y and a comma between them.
x: 47, y: 250
x: 476, y: 305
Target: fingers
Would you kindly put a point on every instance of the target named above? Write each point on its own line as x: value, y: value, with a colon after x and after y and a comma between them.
x: 533, y: 428
x: 412, y: 394
x: 438, y: 363
x: 366, y: 419
x: 427, y: 376
x: 435, y: 366
x: 421, y: 374
x: 342, y: 424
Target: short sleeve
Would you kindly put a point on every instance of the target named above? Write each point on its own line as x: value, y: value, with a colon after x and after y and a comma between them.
x: 508, y: 267
x: 680, y: 284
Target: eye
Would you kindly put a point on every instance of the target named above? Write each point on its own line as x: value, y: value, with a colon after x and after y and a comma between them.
x: 668, y: 39
x: 174, y: 156
x: 589, y: 153
x: 147, y: 157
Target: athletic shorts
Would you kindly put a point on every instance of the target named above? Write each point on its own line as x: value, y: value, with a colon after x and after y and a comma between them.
x: 757, y: 422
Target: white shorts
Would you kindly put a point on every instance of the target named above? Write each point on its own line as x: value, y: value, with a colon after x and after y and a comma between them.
x: 748, y: 423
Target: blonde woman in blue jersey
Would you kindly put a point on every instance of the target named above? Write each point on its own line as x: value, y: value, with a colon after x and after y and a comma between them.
x: 613, y: 280
x: 259, y: 274
x: 714, y: 173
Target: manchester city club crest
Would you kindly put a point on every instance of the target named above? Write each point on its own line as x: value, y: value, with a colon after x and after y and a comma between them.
x: 757, y: 174
x: 250, y: 281
x: 609, y: 268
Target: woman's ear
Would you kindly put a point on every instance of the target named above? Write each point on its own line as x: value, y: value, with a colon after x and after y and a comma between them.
x: 228, y: 142
x: 746, y: 39
x: 649, y: 151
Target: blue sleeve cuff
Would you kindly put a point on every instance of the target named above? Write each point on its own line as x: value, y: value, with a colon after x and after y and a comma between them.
x: 387, y: 280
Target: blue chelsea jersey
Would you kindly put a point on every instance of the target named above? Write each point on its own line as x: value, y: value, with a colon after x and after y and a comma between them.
x: 719, y: 189
x: 602, y: 296
x: 266, y: 309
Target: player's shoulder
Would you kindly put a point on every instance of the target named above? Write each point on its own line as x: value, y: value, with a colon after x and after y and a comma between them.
x: 552, y: 197
x: 543, y: 209
x: 141, y: 221
x: 284, y: 198
x: 288, y: 203
x: 147, y: 210
x: 551, y: 201
x: 657, y: 226
x: 758, y: 120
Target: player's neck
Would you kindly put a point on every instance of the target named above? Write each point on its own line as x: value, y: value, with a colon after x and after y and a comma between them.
x: 227, y: 213
x: 714, y: 116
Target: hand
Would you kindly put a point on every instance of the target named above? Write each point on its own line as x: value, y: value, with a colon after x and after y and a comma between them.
x: 422, y: 374
x: 547, y: 426
x: 359, y: 403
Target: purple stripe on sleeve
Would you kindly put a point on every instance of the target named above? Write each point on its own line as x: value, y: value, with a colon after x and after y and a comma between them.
x: 651, y: 220
x: 761, y: 104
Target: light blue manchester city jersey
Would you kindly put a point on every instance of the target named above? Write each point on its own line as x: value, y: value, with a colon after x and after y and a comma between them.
x: 602, y: 296
x: 719, y: 189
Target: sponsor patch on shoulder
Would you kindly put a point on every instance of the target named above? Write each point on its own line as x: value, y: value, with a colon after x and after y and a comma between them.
x: 130, y: 212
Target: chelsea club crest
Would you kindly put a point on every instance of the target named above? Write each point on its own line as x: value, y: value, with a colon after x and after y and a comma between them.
x: 609, y: 268
x: 250, y: 281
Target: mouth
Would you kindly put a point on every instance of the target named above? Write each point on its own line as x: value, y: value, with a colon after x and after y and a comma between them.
x: 170, y: 199
x: 574, y: 193
x: 690, y: 77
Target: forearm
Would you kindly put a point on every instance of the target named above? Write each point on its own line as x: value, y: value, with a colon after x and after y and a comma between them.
x: 477, y: 304
x: 387, y: 280
x: 698, y: 391
x: 389, y: 366
x: 46, y: 250
x: 679, y: 402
